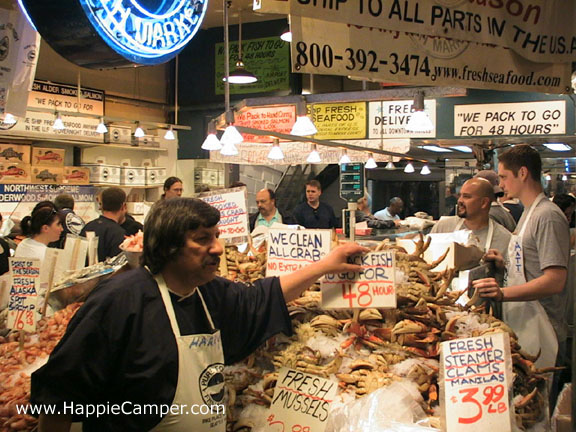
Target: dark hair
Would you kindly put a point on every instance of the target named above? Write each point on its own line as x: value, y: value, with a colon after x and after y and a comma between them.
x: 522, y: 156
x: 42, y: 204
x: 63, y: 201
x: 564, y: 201
x: 314, y: 183
x: 112, y: 199
x: 271, y: 193
x: 166, y: 226
x: 32, y: 225
x: 170, y: 181
x: 237, y: 184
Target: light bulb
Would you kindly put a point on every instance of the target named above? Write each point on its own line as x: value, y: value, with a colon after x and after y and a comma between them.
x: 409, y: 168
x: 139, y: 132
x: 564, y: 177
x: 390, y: 166
x: 229, y: 149
x: 9, y: 119
x: 101, y: 128
x: 419, y: 122
x: 345, y: 159
x: 303, y: 126
x: 58, y: 123
x: 211, y: 143
x: 276, y: 153
x: 231, y: 136
x: 371, y: 163
x: 314, y: 156
x: 425, y: 170
x: 169, y: 135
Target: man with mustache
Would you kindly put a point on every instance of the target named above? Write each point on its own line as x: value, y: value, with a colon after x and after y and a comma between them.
x: 160, y: 335
x: 473, y: 213
x: 268, y: 213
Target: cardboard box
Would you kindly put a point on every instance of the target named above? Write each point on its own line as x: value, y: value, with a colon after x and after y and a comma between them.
x: 76, y: 175
x: 103, y: 173
x: 48, y: 156
x: 15, y: 153
x: 11, y: 172
x: 132, y: 176
x: 155, y: 176
x: 146, y: 141
x: 118, y: 135
x: 42, y: 174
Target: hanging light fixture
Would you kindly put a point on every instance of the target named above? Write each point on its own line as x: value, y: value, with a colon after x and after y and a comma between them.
x: 286, y: 35
x: 230, y: 137
x: 371, y: 163
x: 101, y: 128
x: 564, y: 177
x: 240, y: 75
x: 303, y: 125
x: 276, y: 152
x: 419, y: 121
x: 139, y: 132
x: 409, y: 168
x: 425, y: 170
x: 314, y: 156
x: 211, y: 142
x: 58, y: 123
x: 169, y: 135
x: 9, y: 119
x: 345, y: 159
x: 390, y: 165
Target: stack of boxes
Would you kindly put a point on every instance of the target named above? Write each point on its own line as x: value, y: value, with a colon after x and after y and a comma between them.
x: 14, y: 163
x: 47, y: 165
x: 103, y: 173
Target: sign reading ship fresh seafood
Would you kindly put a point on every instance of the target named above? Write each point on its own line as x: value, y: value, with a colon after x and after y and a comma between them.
x: 301, y: 402
x: 233, y: 211
x: 371, y: 288
x: 25, y: 276
x: 476, y: 381
x: 290, y: 250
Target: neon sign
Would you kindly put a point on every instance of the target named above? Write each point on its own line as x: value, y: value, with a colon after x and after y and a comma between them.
x: 141, y: 31
x: 146, y: 32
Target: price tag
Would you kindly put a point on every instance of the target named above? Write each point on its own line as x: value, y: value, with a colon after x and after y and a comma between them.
x: 22, y: 304
x: 290, y: 250
x: 233, y: 211
x: 476, y: 383
x: 372, y: 288
x: 301, y: 402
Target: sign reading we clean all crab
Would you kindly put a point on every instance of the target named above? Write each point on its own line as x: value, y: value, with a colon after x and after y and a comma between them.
x: 373, y: 287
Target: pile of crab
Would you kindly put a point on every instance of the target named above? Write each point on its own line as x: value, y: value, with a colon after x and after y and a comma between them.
x: 369, y: 349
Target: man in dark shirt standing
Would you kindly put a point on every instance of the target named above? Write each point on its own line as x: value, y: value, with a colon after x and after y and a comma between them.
x: 107, y: 227
x: 313, y: 213
x: 71, y: 222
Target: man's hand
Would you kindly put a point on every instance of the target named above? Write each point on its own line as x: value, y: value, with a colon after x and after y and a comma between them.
x: 488, y: 288
x: 495, y: 256
x: 337, y: 260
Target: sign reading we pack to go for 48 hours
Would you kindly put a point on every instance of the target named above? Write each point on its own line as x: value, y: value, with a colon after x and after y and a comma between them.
x: 372, y: 288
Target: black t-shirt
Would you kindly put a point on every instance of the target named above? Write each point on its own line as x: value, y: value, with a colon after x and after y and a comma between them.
x: 120, y: 347
x: 110, y: 235
x: 131, y: 225
x: 321, y: 217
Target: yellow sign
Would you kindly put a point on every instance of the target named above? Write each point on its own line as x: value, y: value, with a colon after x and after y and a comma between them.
x: 339, y: 120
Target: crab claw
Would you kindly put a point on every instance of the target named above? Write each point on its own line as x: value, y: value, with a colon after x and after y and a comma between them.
x: 409, y: 326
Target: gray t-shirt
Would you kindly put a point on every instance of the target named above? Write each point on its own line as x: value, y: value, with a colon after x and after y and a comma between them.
x: 501, y: 215
x: 500, y: 237
x: 546, y: 243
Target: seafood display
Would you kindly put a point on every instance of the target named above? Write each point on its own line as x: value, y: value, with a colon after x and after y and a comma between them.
x: 369, y: 349
x: 19, y: 358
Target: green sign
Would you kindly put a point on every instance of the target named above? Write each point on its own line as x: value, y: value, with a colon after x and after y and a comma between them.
x: 267, y: 58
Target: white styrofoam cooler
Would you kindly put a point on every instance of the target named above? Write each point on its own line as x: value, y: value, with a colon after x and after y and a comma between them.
x: 103, y: 173
x: 155, y: 176
x: 132, y: 176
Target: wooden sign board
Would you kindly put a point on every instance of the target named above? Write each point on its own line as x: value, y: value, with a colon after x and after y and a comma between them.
x: 290, y: 250
x: 476, y: 380
x: 301, y: 402
x: 23, y: 302
x: 374, y: 287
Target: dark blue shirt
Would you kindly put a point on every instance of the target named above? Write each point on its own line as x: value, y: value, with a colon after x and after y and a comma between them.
x: 321, y: 217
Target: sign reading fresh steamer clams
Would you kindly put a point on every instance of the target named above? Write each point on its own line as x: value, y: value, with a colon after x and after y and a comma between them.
x: 301, y: 402
x: 322, y: 47
x: 339, y: 120
x: 23, y: 300
x: 539, y: 30
x: 267, y: 58
x: 290, y: 250
x: 233, y: 211
x: 476, y: 379
x: 372, y: 288
x: 388, y: 119
x: 527, y: 118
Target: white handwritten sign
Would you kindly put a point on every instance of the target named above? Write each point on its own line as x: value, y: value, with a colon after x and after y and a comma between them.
x: 476, y: 381
x: 233, y: 211
x: 290, y: 250
x: 388, y: 119
x: 373, y: 287
x: 23, y: 301
x: 301, y: 402
x: 527, y: 118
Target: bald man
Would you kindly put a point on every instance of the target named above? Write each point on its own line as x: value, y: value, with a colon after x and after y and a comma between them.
x: 473, y: 213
